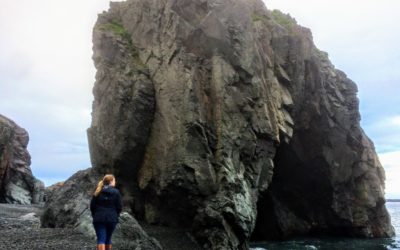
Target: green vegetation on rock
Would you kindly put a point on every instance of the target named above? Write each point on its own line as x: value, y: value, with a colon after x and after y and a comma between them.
x: 115, y: 27
x: 256, y: 18
x: 284, y: 20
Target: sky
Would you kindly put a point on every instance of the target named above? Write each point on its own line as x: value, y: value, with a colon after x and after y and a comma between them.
x: 47, y: 74
x: 46, y: 79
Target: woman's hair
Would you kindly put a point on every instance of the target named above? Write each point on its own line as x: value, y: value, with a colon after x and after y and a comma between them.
x: 107, y: 179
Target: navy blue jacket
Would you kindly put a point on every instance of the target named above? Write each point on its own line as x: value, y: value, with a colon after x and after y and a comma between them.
x: 107, y: 205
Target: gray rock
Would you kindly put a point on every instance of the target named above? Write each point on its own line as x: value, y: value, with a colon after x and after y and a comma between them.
x: 38, y: 192
x: 129, y: 228
x: 223, y: 117
x: 17, y: 184
x: 48, y: 192
x: 70, y: 200
x: 32, y: 219
x: 68, y: 207
x: 127, y: 235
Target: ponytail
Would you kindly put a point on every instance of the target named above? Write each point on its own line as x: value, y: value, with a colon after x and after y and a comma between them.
x: 99, y: 188
x: 105, y: 181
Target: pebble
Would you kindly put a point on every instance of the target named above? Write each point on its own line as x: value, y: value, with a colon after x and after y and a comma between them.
x: 19, y: 229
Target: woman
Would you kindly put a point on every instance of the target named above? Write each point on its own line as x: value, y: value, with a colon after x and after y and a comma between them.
x: 105, y: 206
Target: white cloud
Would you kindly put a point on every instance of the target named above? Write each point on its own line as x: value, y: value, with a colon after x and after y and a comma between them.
x: 46, y: 78
x: 395, y: 121
x: 388, y: 122
x: 391, y: 162
x: 54, y: 39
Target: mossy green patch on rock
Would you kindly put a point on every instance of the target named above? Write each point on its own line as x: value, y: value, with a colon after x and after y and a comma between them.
x: 118, y: 29
x: 115, y: 27
x: 285, y: 20
x: 257, y: 18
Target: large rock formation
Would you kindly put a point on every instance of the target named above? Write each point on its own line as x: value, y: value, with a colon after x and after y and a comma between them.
x: 67, y: 205
x: 223, y: 117
x: 17, y: 184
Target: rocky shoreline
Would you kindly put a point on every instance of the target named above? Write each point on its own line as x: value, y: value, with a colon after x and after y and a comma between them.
x: 20, y: 229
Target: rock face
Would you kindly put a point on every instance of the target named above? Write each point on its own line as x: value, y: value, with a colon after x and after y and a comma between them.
x: 67, y: 202
x: 222, y: 117
x: 67, y: 206
x: 17, y: 184
x: 48, y: 192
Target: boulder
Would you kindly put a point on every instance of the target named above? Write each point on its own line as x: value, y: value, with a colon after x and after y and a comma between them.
x: 48, y: 192
x: 68, y: 207
x: 127, y: 235
x: 70, y: 200
x: 17, y: 184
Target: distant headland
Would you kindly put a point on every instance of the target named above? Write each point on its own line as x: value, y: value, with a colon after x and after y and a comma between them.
x: 392, y: 200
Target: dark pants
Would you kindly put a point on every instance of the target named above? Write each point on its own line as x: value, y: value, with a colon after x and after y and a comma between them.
x: 104, y: 231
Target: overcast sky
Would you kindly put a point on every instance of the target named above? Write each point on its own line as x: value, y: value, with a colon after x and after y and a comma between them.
x: 46, y: 72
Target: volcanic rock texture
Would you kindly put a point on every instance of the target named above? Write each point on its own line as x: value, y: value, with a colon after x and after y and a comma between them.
x: 17, y: 184
x: 222, y: 117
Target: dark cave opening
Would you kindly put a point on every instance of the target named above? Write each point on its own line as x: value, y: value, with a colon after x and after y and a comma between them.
x: 298, y: 195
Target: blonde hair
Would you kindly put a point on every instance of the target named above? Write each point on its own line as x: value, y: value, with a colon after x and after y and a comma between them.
x: 107, y: 179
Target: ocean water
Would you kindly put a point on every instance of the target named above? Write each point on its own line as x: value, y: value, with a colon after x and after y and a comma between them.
x: 340, y: 243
